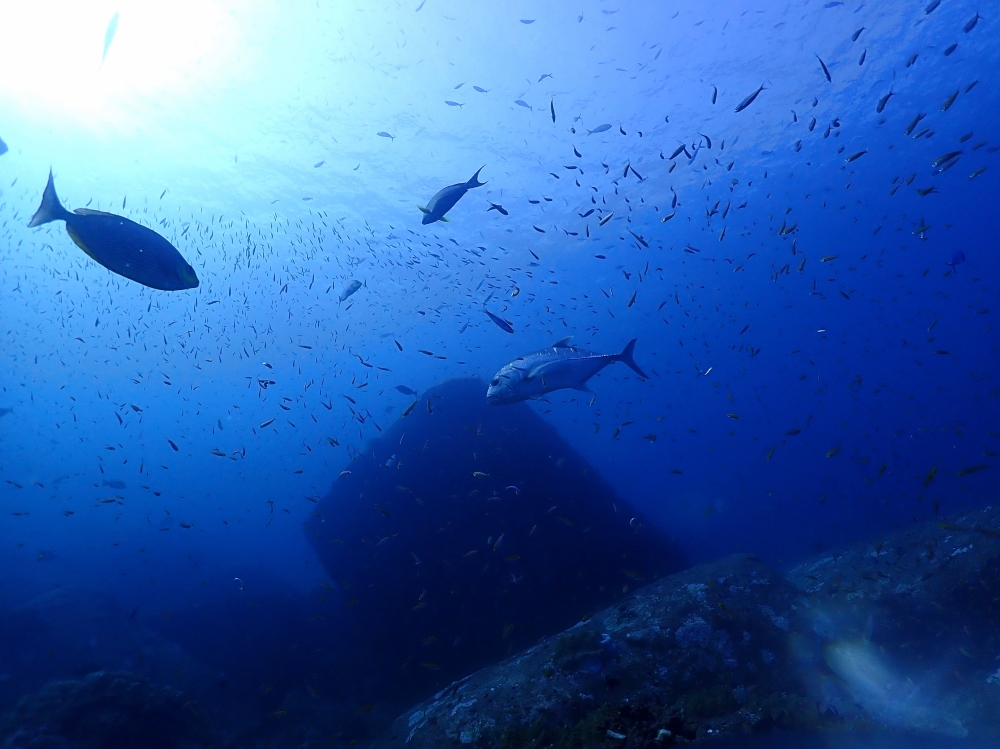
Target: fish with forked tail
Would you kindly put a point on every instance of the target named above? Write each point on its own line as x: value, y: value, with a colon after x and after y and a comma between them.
x: 446, y: 198
x: 558, y: 367
x: 120, y: 245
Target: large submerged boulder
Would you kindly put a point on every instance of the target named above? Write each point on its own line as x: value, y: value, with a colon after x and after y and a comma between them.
x: 105, y: 710
x: 896, y: 635
x: 465, y: 533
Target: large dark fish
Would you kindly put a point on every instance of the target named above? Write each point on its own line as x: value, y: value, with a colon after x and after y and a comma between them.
x: 444, y: 199
x: 120, y: 245
x: 555, y: 368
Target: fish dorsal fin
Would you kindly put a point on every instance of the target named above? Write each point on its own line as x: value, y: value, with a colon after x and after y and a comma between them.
x: 92, y: 212
x: 564, y: 343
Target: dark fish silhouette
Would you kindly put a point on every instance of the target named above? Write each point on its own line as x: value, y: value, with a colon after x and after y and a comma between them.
x: 120, y: 245
x: 749, y: 100
x: 501, y: 323
x: 446, y: 198
x: 957, y: 258
x: 826, y: 71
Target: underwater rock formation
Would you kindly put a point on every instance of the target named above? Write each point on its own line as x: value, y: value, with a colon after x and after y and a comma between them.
x: 698, y: 652
x: 67, y: 633
x: 466, y: 532
x: 105, y: 710
x: 897, y: 634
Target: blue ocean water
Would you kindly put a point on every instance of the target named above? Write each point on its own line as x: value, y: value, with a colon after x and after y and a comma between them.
x: 812, y: 282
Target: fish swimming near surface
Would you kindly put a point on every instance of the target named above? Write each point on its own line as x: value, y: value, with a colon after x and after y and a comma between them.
x: 446, y: 198
x: 120, y: 245
x: 558, y: 367
x: 109, y: 36
x: 114, y: 483
x: 3, y: 147
x: 5, y: 411
x: 350, y: 289
x: 600, y: 129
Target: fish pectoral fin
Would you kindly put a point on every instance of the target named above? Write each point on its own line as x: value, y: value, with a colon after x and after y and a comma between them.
x: 92, y: 212
x: 532, y: 373
x: 536, y: 372
x: 80, y: 243
x: 445, y: 218
x: 423, y: 209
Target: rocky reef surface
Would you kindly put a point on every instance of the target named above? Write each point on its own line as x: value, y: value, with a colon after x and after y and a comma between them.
x: 894, y: 642
x: 105, y: 710
x: 894, y: 634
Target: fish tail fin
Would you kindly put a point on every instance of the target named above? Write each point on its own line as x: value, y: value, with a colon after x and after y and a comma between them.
x: 50, y: 209
x: 625, y: 357
x: 474, y: 181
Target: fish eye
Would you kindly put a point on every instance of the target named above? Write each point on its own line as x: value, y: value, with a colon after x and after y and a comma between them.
x: 496, y: 381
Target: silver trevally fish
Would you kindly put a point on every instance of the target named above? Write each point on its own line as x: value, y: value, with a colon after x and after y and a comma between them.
x: 120, y: 245
x: 445, y: 198
x: 555, y: 368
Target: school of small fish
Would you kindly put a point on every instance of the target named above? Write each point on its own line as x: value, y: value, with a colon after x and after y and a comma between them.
x: 287, y: 335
